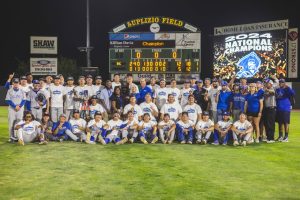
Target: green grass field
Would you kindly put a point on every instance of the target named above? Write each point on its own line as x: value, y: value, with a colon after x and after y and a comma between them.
x: 80, y: 171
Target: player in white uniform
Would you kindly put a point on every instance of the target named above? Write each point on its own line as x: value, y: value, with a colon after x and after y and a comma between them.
x: 92, y: 89
x: 116, y: 81
x: 80, y: 92
x: 57, y: 92
x: 242, y: 131
x: 114, y: 129
x: 161, y: 94
x: 29, y: 130
x: 184, y: 93
x: 36, y: 100
x: 96, y: 130
x: 193, y: 109
x: 98, y: 86
x: 96, y: 107
x: 222, y: 130
x: 69, y: 97
x: 185, y: 129
x: 174, y: 90
x: 147, y: 130
x: 166, y: 129
x: 129, y: 128
x: 132, y: 106
x: 204, y: 128
x: 172, y: 108
x: 149, y: 107
x: 78, y: 126
x: 16, y: 100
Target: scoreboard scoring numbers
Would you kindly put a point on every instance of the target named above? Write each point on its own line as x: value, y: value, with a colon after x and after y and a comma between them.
x: 154, y: 52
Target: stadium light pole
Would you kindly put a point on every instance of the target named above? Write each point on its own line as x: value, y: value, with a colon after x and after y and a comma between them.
x: 88, y: 47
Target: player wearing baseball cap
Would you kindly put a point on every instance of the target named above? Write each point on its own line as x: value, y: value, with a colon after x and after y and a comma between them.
x: 222, y: 129
x: 204, y: 128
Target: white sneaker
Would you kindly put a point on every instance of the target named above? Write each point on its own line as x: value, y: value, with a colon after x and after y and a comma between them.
x: 270, y: 141
x: 235, y: 143
x: 244, y: 143
x: 285, y: 140
x: 198, y: 141
x: 257, y: 140
x: 102, y: 141
x: 204, y: 141
x: 280, y: 139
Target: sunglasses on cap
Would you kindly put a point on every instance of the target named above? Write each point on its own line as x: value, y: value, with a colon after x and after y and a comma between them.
x: 28, y: 116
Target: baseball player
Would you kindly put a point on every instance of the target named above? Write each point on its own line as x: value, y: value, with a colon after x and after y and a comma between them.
x: 204, y: 128
x: 147, y: 130
x: 185, y: 92
x: 16, y: 99
x: 172, y: 108
x: 114, y: 130
x: 174, y: 90
x: 57, y: 92
x: 149, y: 107
x: 96, y: 130
x: 129, y: 132
x: 166, y: 129
x: 28, y: 130
x: 193, y: 109
x: 222, y: 130
x: 185, y: 128
x: 161, y: 94
x: 36, y: 100
x: 92, y: 89
x: 136, y: 109
x: 78, y: 126
x: 62, y: 130
x: 242, y: 131
x: 96, y: 107
x: 69, y: 97
x: 80, y: 92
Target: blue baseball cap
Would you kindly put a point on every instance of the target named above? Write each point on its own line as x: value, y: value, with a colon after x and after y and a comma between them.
x: 199, y: 81
x: 224, y: 83
x: 225, y: 113
x: 281, y: 80
x: 205, y: 113
x: 35, y: 82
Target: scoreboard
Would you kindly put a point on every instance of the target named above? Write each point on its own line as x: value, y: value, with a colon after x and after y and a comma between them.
x: 176, y: 52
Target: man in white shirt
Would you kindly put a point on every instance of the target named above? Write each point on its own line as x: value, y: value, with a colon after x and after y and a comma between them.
x: 132, y: 106
x: 222, y: 130
x: 174, y: 90
x: 80, y: 92
x: 193, y: 109
x: 242, y: 131
x: 78, y: 125
x: 69, y: 97
x: 57, y: 92
x: 172, y: 108
x: 149, y: 107
x: 116, y: 81
x: 105, y: 96
x: 204, y: 128
x: 184, y: 93
x: 166, y: 129
x: 161, y: 94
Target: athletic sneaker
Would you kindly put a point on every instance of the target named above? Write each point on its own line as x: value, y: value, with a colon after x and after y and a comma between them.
x: 286, y: 139
x: 224, y: 143
x: 182, y: 142
x: 244, y: 143
x: 61, y: 140
x: 279, y: 139
x: 131, y: 140
x: 257, y: 140
x: 43, y: 142
x: 102, y: 141
x: 143, y: 140
x: 198, y: 141
x: 154, y: 140
x: 92, y: 142
x: 190, y: 142
x: 270, y: 141
x: 235, y: 143
x: 215, y: 142
x: 21, y: 142
x: 204, y: 141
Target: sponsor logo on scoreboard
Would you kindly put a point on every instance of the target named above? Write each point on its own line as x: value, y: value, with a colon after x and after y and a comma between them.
x: 143, y: 44
x: 131, y: 36
x: 188, y: 40
x: 164, y: 36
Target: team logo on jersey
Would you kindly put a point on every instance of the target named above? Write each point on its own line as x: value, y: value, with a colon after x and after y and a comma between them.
x: 28, y: 128
x: 186, y: 94
x: 147, y: 110
x: 191, y: 110
x: 162, y: 93
x: 249, y: 65
x: 171, y: 109
x: 56, y: 92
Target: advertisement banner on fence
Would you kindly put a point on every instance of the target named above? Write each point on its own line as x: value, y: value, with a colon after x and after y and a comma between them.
x: 43, y: 66
x: 43, y: 45
x: 293, y: 53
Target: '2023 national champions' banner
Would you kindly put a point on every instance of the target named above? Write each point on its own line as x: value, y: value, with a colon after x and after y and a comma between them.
x: 252, y: 51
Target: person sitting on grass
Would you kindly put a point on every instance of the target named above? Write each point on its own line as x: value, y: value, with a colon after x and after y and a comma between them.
x: 29, y: 130
x: 47, y: 125
x: 62, y: 130
x: 78, y: 125
x: 129, y: 131
x: 204, y: 128
x: 147, y: 130
x: 185, y: 128
x: 166, y: 129
x: 222, y: 130
x: 114, y: 127
x: 96, y: 129
x: 242, y: 131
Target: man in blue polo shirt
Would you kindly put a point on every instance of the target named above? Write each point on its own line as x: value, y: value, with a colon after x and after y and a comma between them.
x: 283, y: 100
x: 144, y: 89
x: 223, y: 100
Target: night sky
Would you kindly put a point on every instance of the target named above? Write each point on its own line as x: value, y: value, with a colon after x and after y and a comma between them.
x: 66, y: 20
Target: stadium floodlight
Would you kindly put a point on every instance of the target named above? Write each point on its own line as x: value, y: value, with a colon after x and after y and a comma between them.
x: 88, y: 47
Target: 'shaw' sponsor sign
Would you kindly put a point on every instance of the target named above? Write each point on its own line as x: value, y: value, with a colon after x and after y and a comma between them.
x: 43, y: 45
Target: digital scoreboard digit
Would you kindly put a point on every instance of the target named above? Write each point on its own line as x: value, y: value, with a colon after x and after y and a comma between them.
x: 154, y: 52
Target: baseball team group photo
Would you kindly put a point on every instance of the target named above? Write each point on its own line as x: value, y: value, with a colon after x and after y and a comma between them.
x: 149, y: 100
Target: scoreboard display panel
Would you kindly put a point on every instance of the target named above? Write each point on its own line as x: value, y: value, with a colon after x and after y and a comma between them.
x: 176, y: 52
